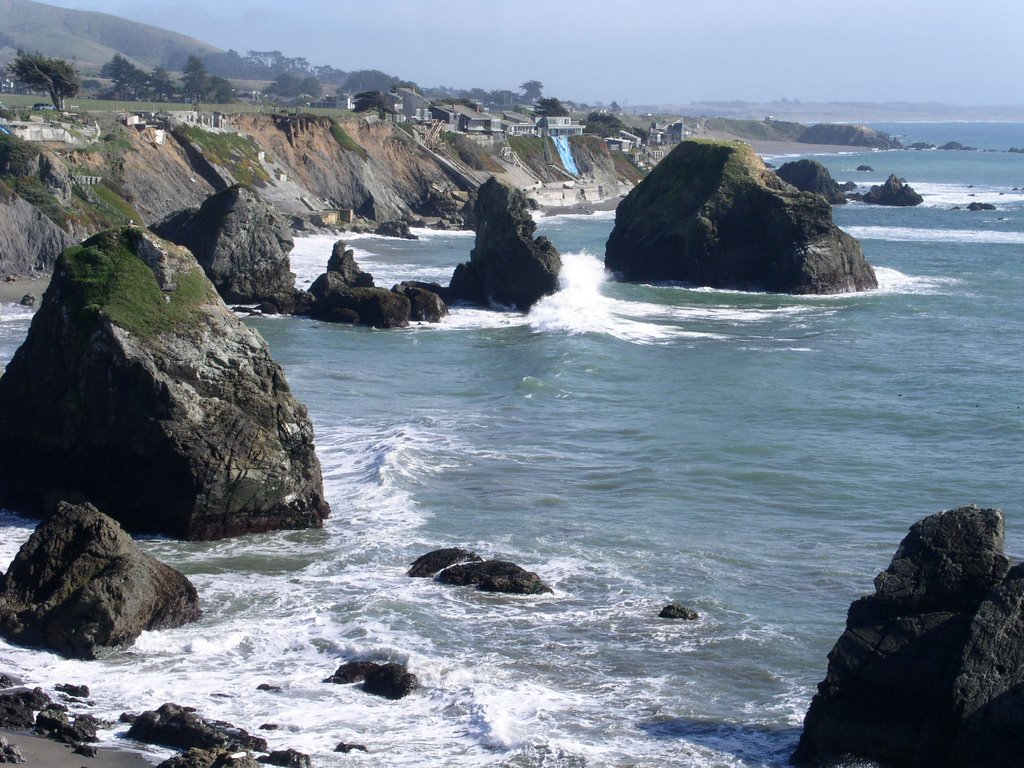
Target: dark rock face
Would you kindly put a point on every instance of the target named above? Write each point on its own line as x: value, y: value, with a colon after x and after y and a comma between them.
x: 10, y: 753
x: 895, y: 192
x: 432, y: 562
x: 240, y: 242
x: 425, y: 302
x: 336, y: 302
x: 343, y: 261
x: 711, y: 214
x: 392, y: 681
x: 29, y: 242
x: 57, y: 725
x: 80, y: 584
x: 181, y: 728
x: 395, y: 229
x: 18, y: 708
x: 495, y: 576
x: 134, y: 375
x: 677, y: 611
x: 287, y: 758
x: 210, y: 758
x: 930, y: 669
x: 508, y: 265
x: 812, y: 176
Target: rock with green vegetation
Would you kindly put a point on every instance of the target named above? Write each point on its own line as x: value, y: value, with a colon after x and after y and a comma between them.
x: 138, y: 390
x: 811, y: 176
x: 508, y: 265
x: 711, y: 214
x: 80, y: 585
x: 845, y: 135
x: 241, y: 243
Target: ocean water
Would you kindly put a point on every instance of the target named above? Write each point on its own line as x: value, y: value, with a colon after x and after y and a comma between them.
x: 756, y: 457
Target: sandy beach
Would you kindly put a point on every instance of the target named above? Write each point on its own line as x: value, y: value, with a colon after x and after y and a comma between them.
x: 12, y: 292
x: 47, y: 753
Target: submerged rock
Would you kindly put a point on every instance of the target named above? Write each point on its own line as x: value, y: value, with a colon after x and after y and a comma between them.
x: 711, y: 214
x: 894, y: 191
x: 930, y: 669
x: 241, y: 243
x: 494, y: 576
x: 980, y: 207
x: 138, y: 390
x: 80, y: 585
x: 508, y: 265
x: 678, y: 611
x: 390, y: 680
x: 812, y: 176
x: 432, y: 562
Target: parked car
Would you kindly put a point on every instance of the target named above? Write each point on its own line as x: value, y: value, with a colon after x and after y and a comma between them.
x: 42, y: 105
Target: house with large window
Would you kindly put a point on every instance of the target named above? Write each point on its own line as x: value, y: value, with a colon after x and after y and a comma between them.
x: 559, y: 126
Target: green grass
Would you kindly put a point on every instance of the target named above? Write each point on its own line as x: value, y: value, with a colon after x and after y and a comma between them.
x: 625, y: 168
x: 763, y: 130
x: 107, y: 278
x: 238, y: 154
x: 119, y: 207
x: 345, y: 141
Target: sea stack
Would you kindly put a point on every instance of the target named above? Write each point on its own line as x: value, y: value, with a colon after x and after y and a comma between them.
x: 508, y: 265
x: 241, y: 243
x: 930, y: 670
x: 711, y: 214
x: 139, y: 391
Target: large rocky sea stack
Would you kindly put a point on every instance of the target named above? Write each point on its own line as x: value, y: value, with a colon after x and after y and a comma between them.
x: 930, y: 670
x: 507, y: 265
x: 242, y: 244
x: 711, y: 214
x: 139, y: 391
x: 80, y: 585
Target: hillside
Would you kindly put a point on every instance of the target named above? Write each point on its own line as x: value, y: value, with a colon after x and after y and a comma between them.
x: 89, y: 39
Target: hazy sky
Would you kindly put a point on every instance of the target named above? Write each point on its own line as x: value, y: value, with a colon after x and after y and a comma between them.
x: 657, y: 51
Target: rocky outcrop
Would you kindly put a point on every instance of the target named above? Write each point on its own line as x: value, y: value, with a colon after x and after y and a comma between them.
x: 29, y: 241
x: 678, y: 611
x: 346, y: 294
x: 508, y: 265
x: 812, y: 176
x: 181, y: 728
x: 494, y: 576
x: 930, y: 669
x: 711, y: 214
x: 138, y: 390
x: 390, y: 680
x: 429, y: 564
x: 894, y: 191
x: 980, y: 207
x: 397, y: 229
x: 80, y: 585
x: 241, y: 244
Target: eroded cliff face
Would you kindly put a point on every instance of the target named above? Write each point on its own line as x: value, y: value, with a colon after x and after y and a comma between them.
x: 374, y: 168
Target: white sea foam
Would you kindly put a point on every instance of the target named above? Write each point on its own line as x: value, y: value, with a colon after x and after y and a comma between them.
x: 923, y: 235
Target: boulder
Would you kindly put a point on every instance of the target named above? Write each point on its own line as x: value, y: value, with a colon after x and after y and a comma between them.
x: 210, y: 758
x: 10, y: 753
x: 865, y: 168
x: 930, y: 669
x: 287, y: 758
x: 181, y: 728
x: 138, y: 390
x: 336, y: 302
x: 432, y: 562
x: 352, y: 672
x: 395, y: 229
x: 678, y: 611
x: 57, y: 725
x: 980, y: 207
x: 425, y: 302
x: 494, y: 576
x: 812, y: 176
x: 392, y: 681
x: 343, y: 261
x: 73, y: 691
x: 241, y: 243
x: 894, y: 191
x: 18, y: 708
x: 508, y: 265
x: 80, y: 585
x: 344, y: 747
x: 710, y: 214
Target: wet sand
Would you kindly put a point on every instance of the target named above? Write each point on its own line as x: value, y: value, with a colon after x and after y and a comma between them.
x: 12, y: 292
x: 46, y: 753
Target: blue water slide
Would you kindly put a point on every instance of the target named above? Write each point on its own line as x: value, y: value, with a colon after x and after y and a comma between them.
x: 4, y: 129
x: 564, y: 152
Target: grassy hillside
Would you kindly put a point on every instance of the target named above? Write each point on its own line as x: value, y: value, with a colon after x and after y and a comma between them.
x: 89, y: 39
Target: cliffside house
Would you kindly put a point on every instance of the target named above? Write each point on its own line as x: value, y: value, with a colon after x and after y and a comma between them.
x: 411, y: 104
x: 466, y: 119
x: 518, y: 124
x: 559, y: 126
